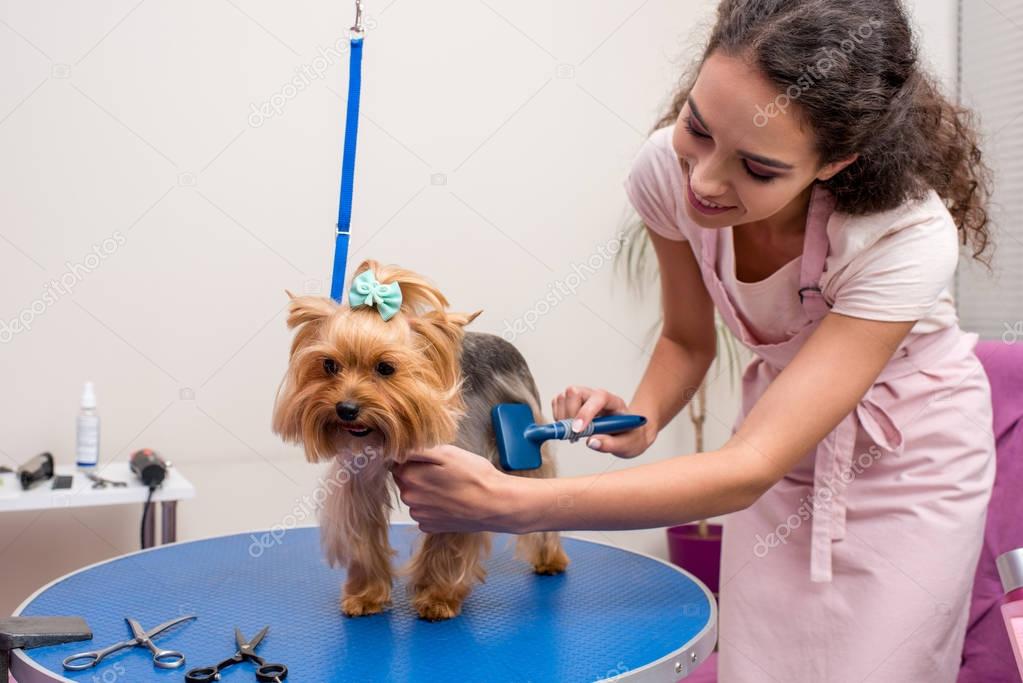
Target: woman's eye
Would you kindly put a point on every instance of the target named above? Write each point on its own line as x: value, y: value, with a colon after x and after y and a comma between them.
x: 330, y: 366
x: 695, y: 133
x: 759, y: 177
x: 385, y: 369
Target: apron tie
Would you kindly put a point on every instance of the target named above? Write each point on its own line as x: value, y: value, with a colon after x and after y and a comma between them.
x: 833, y: 471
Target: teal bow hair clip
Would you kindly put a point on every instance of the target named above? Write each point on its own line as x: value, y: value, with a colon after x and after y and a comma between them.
x: 367, y: 291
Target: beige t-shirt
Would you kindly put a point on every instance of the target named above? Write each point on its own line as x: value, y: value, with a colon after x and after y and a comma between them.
x: 894, y: 266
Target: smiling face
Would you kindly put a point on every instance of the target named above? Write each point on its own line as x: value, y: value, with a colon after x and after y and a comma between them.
x: 741, y: 165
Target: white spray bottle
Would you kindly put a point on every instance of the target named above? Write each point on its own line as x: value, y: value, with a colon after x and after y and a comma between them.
x: 87, y: 443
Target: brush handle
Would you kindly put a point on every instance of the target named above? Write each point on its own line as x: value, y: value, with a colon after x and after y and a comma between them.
x: 606, y: 424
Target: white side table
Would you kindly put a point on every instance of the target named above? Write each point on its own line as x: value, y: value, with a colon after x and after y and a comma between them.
x: 81, y: 494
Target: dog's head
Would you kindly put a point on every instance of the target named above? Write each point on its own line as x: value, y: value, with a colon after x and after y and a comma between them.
x: 357, y: 381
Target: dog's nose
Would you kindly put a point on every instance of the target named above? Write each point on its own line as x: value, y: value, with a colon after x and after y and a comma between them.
x: 347, y: 410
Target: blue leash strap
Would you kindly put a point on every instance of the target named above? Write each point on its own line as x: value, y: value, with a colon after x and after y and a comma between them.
x: 344, y: 214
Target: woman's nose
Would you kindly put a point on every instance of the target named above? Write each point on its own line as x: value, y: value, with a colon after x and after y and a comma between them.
x: 708, y: 178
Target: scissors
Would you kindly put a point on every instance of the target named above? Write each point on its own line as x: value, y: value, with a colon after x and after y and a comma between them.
x: 273, y: 673
x: 99, y: 482
x: 164, y: 659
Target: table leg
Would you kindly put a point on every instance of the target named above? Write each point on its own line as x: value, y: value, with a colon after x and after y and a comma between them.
x: 149, y: 529
x: 169, y: 521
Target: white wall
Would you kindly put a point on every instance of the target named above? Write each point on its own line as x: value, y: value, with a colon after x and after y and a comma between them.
x: 133, y: 122
x: 991, y: 302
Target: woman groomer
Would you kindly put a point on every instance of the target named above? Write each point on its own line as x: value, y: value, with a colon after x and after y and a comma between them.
x: 812, y: 185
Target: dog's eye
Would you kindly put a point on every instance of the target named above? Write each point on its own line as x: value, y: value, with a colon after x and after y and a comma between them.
x: 330, y: 366
x: 384, y: 368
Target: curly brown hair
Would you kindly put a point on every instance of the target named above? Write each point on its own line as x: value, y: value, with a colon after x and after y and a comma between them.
x: 852, y: 70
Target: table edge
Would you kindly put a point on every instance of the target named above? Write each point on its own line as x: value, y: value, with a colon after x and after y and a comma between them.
x: 702, y: 644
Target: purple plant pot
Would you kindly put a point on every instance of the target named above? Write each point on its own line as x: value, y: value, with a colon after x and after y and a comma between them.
x: 698, y: 555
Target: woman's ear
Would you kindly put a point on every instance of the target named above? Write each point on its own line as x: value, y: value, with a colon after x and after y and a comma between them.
x: 836, y: 167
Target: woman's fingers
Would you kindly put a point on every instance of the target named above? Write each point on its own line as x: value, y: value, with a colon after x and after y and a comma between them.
x: 604, y: 443
x: 447, y: 488
x: 566, y: 404
x: 575, y: 396
x: 558, y: 407
x: 433, y: 455
x: 619, y: 446
x: 598, y: 402
x: 581, y: 404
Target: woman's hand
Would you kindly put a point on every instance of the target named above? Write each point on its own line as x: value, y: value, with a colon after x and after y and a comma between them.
x: 450, y: 489
x: 582, y: 404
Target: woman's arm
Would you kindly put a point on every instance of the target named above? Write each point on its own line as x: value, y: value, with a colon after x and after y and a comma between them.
x: 822, y: 384
x: 686, y: 347
x: 680, y: 359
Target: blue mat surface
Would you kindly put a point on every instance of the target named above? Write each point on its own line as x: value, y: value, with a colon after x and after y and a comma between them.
x: 613, y: 611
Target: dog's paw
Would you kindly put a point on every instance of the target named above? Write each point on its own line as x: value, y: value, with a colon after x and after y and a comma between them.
x: 555, y: 563
x: 433, y: 608
x: 362, y: 605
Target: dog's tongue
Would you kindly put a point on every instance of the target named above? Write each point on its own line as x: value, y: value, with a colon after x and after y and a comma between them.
x: 355, y: 428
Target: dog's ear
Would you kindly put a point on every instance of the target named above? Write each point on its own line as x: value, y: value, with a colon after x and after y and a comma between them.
x: 307, y: 313
x: 306, y: 309
x: 463, y: 319
x: 443, y: 334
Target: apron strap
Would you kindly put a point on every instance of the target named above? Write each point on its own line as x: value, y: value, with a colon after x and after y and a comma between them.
x: 830, y: 472
x: 815, y: 253
x: 710, y: 242
x: 812, y: 263
x: 835, y: 466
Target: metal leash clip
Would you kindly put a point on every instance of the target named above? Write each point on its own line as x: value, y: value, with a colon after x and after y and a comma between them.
x: 359, y: 28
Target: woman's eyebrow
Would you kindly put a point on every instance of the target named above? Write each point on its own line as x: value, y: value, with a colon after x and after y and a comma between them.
x: 764, y: 161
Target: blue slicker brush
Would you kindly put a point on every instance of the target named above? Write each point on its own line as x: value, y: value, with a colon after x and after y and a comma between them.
x: 519, y: 438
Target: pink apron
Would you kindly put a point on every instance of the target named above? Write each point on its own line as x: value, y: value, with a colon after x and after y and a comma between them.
x: 858, y: 564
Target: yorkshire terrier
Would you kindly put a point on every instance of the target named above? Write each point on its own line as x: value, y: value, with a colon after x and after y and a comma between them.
x: 368, y: 382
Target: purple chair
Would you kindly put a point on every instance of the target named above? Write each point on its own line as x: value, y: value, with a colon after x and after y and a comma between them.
x: 987, y: 654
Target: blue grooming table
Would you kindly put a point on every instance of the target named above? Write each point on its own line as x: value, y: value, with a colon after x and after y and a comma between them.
x: 614, y: 614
